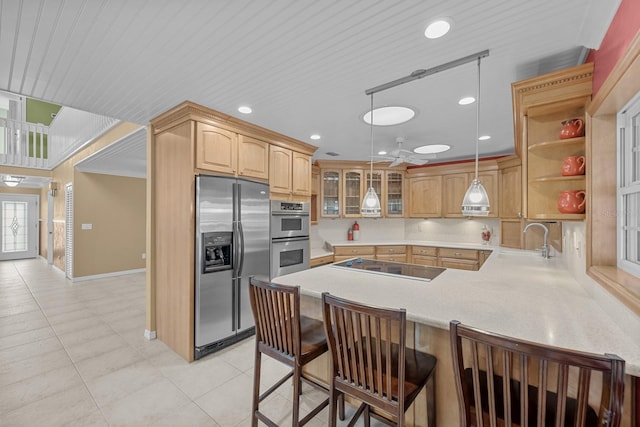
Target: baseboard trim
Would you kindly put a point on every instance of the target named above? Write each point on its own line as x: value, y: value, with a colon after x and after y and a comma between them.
x: 113, y: 274
x: 150, y: 335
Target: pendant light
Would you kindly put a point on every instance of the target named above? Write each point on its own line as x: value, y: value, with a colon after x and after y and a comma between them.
x: 371, y: 202
x: 476, y: 201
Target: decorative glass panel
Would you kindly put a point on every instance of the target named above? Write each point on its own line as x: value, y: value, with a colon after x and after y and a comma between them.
x: 14, y: 226
x: 330, y: 186
x: 394, y: 193
x: 352, y: 201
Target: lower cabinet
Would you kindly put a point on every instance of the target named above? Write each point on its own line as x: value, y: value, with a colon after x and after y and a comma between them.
x: 393, y: 253
x: 316, y: 262
x: 457, y: 258
x: 340, y: 253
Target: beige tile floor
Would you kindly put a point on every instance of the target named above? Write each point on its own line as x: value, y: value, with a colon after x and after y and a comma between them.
x: 73, y: 354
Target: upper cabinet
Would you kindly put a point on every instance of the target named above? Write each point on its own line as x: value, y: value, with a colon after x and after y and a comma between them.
x: 437, y: 191
x: 290, y: 174
x: 393, y: 205
x: 344, y: 184
x: 330, y: 193
x: 425, y: 196
x: 352, y: 192
x: 550, y: 127
x: 217, y: 149
x: 222, y: 151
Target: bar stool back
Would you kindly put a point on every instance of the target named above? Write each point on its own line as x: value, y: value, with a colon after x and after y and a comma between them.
x: 283, y: 334
x: 371, y: 363
x: 528, y: 384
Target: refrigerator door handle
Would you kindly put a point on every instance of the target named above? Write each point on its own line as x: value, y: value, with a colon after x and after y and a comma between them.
x: 241, y: 238
x: 235, y: 321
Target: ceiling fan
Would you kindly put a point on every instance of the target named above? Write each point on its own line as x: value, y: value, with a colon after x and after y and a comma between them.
x: 399, y: 155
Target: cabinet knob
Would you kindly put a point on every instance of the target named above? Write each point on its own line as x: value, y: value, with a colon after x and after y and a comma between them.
x: 457, y: 254
x: 391, y: 250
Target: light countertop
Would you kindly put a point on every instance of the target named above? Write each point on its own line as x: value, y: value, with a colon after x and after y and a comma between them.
x: 515, y: 293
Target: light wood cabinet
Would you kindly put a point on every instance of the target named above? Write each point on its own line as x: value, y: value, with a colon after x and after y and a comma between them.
x: 462, y: 259
x: 511, y: 192
x: 394, y: 253
x: 253, y: 158
x: 216, y: 149
x: 222, y: 151
x: 424, y: 255
x: 454, y: 188
x: 352, y: 193
x: 340, y: 253
x: 290, y: 174
x: 330, y: 204
x: 323, y: 260
x: 425, y: 197
x: 315, y: 194
x: 393, y: 194
x: 541, y: 104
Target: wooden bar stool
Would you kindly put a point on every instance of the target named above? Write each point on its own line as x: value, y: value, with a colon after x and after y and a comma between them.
x: 523, y: 383
x: 283, y: 334
x: 369, y: 366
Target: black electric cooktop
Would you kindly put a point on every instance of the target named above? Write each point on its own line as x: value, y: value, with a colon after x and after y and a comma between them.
x: 422, y: 272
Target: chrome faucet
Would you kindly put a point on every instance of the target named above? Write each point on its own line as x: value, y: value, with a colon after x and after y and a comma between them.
x: 545, y: 247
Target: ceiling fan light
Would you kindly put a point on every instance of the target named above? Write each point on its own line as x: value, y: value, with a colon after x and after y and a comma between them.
x: 476, y: 200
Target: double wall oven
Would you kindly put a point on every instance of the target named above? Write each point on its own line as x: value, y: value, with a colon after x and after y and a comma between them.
x: 289, y: 237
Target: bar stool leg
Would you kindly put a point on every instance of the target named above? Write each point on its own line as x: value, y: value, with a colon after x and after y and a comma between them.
x: 333, y: 404
x: 256, y: 388
x: 431, y: 400
x: 297, y: 382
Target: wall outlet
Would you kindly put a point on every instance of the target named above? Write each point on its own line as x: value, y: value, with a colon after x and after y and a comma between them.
x: 144, y: 255
x: 87, y: 226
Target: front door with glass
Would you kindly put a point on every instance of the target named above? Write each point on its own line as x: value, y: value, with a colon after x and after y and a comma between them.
x: 19, y: 225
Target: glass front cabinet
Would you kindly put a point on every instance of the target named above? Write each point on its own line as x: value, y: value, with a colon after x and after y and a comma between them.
x: 330, y: 193
x: 353, y: 193
x: 343, y: 190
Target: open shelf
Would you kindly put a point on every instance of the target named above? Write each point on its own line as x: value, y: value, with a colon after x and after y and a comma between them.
x: 576, y: 143
x: 560, y: 178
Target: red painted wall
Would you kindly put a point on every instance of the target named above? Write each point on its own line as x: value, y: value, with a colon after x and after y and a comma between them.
x: 623, y: 29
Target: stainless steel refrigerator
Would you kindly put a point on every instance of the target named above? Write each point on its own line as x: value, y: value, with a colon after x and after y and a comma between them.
x: 232, y: 243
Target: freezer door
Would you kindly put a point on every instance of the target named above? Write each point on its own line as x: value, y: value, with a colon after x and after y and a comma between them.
x: 214, y: 308
x: 254, y: 239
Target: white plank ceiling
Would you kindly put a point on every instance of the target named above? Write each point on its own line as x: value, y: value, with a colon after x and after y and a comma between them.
x: 302, y: 65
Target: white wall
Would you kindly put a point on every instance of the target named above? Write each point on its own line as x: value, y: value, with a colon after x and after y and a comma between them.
x: 574, y: 256
x: 383, y: 229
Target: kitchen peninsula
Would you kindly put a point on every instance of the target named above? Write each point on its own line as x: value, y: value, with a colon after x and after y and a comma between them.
x: 516, y: 293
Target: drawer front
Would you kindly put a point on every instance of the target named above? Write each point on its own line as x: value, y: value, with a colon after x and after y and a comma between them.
x: 390, y: 250
x: 460, y: 264
x: 338, y: 258
x: 315, y: 262
x: 424, y: 250
x: 425, y: 260
x: 392, y: 258
x: 354, y: 250
x: 459, y: 253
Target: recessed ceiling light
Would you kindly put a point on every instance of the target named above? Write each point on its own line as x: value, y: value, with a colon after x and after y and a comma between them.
x: 388, y: 116
x: 382, y: 153
x: 484, y: 138
x: 432, y: 149
x: 437, y: 28
x: 315, y: 136
x: 244, y: 109
x: 467, y: 100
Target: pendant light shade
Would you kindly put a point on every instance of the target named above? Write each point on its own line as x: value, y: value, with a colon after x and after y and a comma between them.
x: 476, y: 200
x: 371, y: 202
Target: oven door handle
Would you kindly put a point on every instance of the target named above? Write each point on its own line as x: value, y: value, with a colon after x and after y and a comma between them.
x: 289, y: 239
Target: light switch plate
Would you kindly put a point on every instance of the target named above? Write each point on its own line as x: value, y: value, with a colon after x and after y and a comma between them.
x: 87, y: 226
